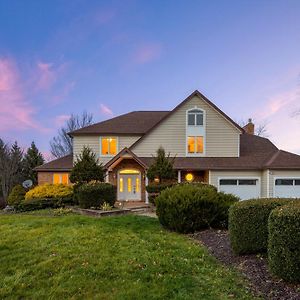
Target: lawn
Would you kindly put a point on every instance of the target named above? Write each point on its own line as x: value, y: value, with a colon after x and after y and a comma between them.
x: 128, y: 257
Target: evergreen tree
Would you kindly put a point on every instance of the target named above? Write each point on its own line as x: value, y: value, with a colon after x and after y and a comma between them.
x: 33, y: 158
x: 86, y: 168
x: 162, y: 168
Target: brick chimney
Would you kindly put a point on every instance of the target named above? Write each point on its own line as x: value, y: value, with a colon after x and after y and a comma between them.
x: 249, y: 128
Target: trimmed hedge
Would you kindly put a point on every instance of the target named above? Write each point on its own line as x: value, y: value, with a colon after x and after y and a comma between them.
x: 155, y: 189
x: 190, y: 207
x: 50, y: 191
x: 16, y: 196
x: 284, y: 242
x: 95, y: 194
x: 36, y: 203
x: 248, y: 224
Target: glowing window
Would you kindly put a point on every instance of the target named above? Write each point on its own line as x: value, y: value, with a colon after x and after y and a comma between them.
x: 129, y: 171
x: 189, y: 177
x: 61, y: 178
x: 129, y: 184
x: 108, y: 146
x: 195, y: 144
x: 121, y: 185
x: 137, y: 184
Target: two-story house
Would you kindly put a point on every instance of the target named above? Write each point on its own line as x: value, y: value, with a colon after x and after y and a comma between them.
x: 208, y: 146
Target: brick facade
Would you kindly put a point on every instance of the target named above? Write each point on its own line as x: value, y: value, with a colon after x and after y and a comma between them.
x: 47, y: 177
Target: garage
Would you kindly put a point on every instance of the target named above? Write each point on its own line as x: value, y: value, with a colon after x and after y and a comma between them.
x: 244, y: 188
x: 287, y: 188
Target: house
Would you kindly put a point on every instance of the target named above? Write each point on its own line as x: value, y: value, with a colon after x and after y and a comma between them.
x: 208, y: 146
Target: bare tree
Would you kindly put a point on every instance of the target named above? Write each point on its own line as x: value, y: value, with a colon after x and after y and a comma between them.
x: 62, y: 145
x: 260, y: 129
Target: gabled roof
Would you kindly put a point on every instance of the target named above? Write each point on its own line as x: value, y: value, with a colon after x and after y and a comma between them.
x: 60, y: 164
x: 283, y: 160
x: 133, y: 123
x: 195, y: 93
x: 122, y: 154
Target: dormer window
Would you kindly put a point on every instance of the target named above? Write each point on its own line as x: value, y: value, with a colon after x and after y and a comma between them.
x: 195, y: 117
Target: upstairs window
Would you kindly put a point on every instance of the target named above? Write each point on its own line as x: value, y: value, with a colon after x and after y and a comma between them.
x: 195, y: 144
x: 195, y: 117
x: 108, y: 146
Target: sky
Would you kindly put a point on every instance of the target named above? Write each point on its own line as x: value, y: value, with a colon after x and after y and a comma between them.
x: 110, y: 57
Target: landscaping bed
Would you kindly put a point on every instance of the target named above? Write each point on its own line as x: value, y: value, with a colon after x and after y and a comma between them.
x: 253, y: 267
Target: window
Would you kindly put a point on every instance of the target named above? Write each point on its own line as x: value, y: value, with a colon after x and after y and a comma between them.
x: 108, y: 146
x: 60, y: 178
x: 284, y: 182
x: 297, y: 182
x: 195, y: 144
x: 129, y: 185
x: 121, y: 185
x: 195, y: 117
x: 228, y: 182
x: 247, y: 181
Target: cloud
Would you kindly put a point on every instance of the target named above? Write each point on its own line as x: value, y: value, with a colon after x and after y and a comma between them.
x: 46, y: 75
x: 64, y: 93
x: 105, y: 110
x: 147, y: 53
x: 283, y: 126
x: 15, y: 112
x: 60, y: 120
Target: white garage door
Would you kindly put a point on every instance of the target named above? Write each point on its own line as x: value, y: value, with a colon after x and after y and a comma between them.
x: 243, y: 188
x: 287, y: 188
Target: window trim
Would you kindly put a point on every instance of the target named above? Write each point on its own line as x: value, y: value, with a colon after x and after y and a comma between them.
x: 195, y: 130
x: 189, y: 112
x: 294, y: 178
x: 258, y: 179
x: 109, y: 137
x: 195, y: 143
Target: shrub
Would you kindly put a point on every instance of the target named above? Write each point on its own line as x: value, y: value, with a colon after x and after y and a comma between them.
x: 39, y: 203
x: 95, y: 194
x: 248, y: 224
x: 16, y: 196
x: 155, y: 189
x: 190, y: 207
x: 284, y: 242
x: 59, y: 191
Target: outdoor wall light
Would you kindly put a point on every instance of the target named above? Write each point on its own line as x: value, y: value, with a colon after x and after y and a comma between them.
x: 189, y: 177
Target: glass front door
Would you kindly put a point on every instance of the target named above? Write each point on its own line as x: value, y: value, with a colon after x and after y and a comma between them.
x: 129, y: 186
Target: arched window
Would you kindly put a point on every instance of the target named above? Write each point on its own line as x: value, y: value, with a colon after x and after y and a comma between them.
x: 195, y: 117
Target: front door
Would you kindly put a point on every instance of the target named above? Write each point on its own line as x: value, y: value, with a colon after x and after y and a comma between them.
x: 129, y: 186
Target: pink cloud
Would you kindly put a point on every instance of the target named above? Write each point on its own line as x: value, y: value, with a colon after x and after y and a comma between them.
x: 105, y: 110
x: 60, y: 120
x: 15, y: 112
x: 147, y: 53
x: 46, y: 75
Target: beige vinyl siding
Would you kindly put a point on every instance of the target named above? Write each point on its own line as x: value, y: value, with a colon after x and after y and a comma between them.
x: 222, y: 138
x: 264, y: 184
x: 93, y: 141
x: 215, y: 175
x: 284, y: 174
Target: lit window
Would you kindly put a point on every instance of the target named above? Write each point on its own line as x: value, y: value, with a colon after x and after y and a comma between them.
x: 60, y: 178
x: 195, y: 117
x: 137, y: 185
x: 129, y: 185
x: 121, y: 184
x: 195, y: 144
x: 129, y: 171
x: 189, y: 177
x: 108, y: 146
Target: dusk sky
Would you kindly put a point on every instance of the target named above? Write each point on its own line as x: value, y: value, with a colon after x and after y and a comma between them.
x: 111, y: 57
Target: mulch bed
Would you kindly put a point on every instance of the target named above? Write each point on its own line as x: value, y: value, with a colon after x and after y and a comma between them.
x: 253, y: 267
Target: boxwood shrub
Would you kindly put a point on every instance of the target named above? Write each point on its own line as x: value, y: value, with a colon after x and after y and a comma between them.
x: 190, y: 207
x: 284, y: 242
x: 248, y: 224
x: 95, y: 194
x: 16, y: 196
x: 154, y: 189
x: 50, y: 191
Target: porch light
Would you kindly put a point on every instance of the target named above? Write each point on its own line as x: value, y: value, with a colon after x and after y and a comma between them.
x: 156, y: 179
x: 189, y: 177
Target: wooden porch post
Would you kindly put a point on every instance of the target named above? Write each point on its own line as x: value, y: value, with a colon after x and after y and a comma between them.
x: 146, y: 183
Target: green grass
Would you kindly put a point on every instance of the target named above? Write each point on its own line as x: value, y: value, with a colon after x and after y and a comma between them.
x: 128, y: 257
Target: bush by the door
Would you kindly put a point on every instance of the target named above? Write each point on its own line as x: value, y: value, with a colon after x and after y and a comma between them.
x: 96, y: 194
x: 284, y: 242
x: 190, y: 207
x: 248, y: 224
x: 155, y: 189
